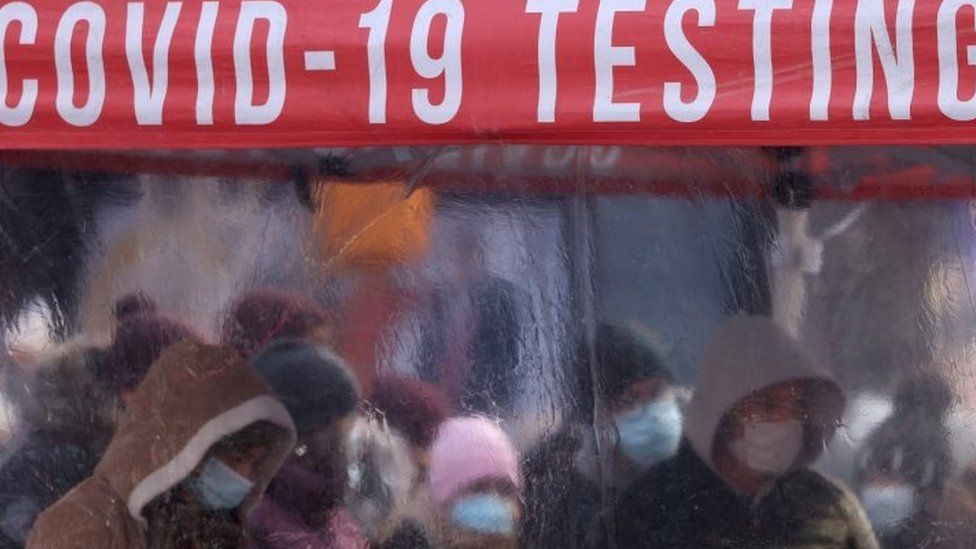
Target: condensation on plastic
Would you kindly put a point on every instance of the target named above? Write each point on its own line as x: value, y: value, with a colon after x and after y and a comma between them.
x: 488, y: 272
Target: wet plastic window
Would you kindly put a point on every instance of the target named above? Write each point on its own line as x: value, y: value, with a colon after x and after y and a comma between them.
x: 488, y: 346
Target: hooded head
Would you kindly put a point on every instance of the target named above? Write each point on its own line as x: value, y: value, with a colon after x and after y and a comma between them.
x: 262, y: 316
x: 748, y: 358
x: 193, y: 399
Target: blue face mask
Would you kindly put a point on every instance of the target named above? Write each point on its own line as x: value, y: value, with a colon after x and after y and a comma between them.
x: 217, y: 486
x: 650, y: 432
x: 485, y: 514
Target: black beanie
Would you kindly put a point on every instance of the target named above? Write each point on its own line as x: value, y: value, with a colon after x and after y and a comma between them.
x: 624, y: 357
x: 312, y: 383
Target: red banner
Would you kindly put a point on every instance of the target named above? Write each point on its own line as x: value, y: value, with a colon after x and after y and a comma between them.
x: 265, y: 73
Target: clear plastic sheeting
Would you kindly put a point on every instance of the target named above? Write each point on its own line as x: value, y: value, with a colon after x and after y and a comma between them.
x: 489, y: 346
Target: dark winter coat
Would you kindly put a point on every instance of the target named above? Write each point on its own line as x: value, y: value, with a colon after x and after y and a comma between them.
x: 36, y: 475
x: 67, y: 417
x: 682, y: 503
x: 563, y: 507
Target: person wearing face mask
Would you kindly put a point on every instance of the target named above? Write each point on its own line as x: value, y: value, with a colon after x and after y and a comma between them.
x: 304, y: 505
x: 564, y: 475
x: 202, y: 437
x: 762, y: 412
x: 474, y: 486
x: 904, y: 472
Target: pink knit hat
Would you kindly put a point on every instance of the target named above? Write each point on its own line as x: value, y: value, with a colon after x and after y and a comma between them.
x: 468, y: 450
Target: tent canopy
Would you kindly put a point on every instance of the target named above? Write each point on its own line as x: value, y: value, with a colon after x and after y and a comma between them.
x: 277, y: 73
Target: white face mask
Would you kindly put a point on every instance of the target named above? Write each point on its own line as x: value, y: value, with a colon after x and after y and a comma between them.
x: 769, y: 447
x: 888, y: 505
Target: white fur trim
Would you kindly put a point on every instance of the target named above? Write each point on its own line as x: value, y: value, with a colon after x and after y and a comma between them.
x: 264, y: 407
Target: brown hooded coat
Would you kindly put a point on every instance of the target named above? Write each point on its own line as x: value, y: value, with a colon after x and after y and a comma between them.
x: 192, y: 397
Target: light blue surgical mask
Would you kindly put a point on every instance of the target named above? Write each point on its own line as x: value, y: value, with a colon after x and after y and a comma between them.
x: 485, y: 514
x: 651, y: 432
x: 219, y: 487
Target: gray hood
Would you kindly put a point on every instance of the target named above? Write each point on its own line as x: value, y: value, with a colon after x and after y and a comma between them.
x: 746, y: 354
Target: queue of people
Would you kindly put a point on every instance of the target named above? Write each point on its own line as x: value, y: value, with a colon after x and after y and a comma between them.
x: 265, y: 439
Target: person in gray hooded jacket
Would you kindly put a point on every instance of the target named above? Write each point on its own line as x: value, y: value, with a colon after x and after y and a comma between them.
x: 762, y: 412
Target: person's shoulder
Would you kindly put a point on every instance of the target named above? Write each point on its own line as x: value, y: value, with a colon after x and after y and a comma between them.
x: 90, y: 515
x: 815, y: 489
x: 644, y: 506
x: 817, y: 482
x: 808, y: 509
